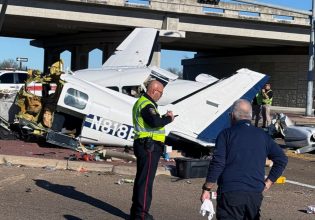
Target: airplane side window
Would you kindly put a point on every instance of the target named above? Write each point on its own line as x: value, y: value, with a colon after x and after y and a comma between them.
x: 134, y: 91
x: 115, y: 88
x: 76, y: 99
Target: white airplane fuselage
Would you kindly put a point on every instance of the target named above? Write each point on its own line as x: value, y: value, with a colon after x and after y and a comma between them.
x: 123, y: 77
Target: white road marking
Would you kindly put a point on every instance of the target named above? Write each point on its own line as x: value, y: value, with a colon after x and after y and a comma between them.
x: 300, y: 184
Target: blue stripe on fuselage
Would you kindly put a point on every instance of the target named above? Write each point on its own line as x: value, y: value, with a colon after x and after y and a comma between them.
x: 223, y: 121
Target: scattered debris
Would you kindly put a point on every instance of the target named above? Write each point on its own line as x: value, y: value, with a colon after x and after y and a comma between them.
x: 87, y: 157
x: 8, y: 164
x: 28, y: 190
x: 122, y: 181
x: 281, y: 179
x: 83, y: 170
x: 310, y: 209
x: 120, y: 155
x: 49, y: 168
x: 188, y: 181
x: 73, y: 157
x: 98, y: 158
x: 168, y: 167
x: 295, y: 136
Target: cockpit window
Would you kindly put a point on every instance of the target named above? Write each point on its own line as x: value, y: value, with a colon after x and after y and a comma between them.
x: 76, y: 99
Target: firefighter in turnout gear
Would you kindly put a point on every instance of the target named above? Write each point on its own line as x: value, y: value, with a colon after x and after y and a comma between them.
x: 148, y: 147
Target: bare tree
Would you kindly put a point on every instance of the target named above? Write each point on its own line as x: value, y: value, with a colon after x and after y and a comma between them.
x: 176, y: 71
x: 9, y: 63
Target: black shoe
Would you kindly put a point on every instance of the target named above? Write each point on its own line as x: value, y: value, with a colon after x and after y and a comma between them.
x: 148, y: 217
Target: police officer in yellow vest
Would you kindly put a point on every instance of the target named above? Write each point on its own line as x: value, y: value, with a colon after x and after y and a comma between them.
x: 148, y: 147
x: 267, y: 96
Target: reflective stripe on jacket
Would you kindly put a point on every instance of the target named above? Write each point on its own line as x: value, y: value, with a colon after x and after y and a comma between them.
x: 141, y: 128
x: 267, y: 101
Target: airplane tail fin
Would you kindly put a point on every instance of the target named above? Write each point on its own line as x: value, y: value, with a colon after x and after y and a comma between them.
x: 204, y: 113
x: 135, y: 51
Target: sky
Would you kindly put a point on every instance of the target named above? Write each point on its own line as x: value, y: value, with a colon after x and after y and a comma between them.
x: 11, y: 48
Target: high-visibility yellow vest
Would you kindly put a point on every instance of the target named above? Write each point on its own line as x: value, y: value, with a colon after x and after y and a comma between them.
x: 267, y: 101
x: 142, y: 129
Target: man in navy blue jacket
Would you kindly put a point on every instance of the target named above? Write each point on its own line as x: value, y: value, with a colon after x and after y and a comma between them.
x: 238, y: 166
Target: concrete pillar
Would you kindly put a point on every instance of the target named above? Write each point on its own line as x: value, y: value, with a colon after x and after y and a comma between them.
x: 156, y: 58
x: 50, y: 56
x: 170, y: 23
x: 80, y: 57
x: 108, y: 50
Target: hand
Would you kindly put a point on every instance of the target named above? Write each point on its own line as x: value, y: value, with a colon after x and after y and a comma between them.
x: 170, y: 113
x: 268, y: 184
x: 204, y: 195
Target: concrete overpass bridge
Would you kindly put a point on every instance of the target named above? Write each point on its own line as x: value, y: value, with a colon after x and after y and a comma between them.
x: 227, y: 34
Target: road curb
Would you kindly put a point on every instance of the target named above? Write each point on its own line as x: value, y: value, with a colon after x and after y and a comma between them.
x: 131, y: 170
x: 125, y: 170
x: 54, y: 164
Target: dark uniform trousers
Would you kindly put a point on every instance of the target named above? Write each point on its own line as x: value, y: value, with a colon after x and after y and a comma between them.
x: 147, y: 163
x: 239, y: 206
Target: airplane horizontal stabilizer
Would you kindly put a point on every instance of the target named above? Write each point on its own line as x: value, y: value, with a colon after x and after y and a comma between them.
x: 135, y: 51
x: 204, y: 113
x: 192, y: 139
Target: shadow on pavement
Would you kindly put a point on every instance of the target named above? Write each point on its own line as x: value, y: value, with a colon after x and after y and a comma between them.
x: 71, y: 217
x: 72, y: 193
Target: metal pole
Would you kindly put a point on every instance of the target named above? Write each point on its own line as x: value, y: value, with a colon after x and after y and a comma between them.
x: 2, y: 13
x: 310, y: 74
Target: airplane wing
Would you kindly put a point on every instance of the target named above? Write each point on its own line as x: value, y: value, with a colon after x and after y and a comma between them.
x: 135, y: 51
x: 204, y: 113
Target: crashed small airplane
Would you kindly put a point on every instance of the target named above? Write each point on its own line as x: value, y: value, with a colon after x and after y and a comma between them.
x: 295, y: 136
x: 93, y: 106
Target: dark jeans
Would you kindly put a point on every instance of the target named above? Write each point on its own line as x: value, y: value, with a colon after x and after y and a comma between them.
x: 147, y: 163
x: 239, y: 206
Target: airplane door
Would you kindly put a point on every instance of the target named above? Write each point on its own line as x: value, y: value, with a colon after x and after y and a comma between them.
x: 93, y: 124
x: 75, y: 99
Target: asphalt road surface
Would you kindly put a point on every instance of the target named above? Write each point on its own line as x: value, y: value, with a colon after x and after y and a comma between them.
x: 32, y: 193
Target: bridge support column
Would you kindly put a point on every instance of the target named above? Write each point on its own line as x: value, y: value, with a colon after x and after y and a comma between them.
x: 80, y: 57
x: 156, y: 58
x: 108, y: 50
x: 50, y: 56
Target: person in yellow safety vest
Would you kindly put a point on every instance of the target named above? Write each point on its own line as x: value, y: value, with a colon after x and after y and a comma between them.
x: 256, y: 105
x: 267, y: 96
x: 148, y: 147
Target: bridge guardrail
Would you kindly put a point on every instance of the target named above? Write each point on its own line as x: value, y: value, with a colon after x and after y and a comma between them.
x: 230, y: 10
x: 223, y: 9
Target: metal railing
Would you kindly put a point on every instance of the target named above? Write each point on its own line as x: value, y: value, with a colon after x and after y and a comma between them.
x: 223, y: 9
